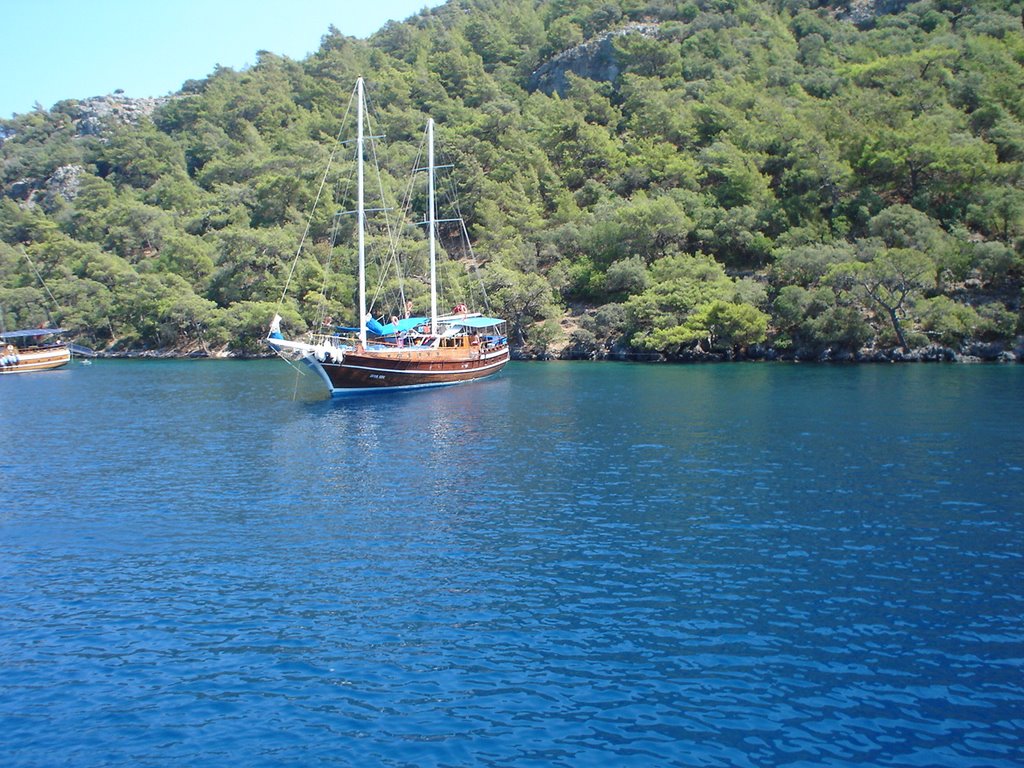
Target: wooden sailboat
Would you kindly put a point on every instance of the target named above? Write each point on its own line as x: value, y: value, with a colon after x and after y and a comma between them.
x: 33, y: 349
x: 407, y: 353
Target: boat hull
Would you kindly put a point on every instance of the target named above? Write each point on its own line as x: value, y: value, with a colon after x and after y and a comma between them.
x: 371, y: 371
x: 44, y: 359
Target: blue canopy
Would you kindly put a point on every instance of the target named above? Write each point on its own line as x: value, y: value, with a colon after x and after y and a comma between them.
x: 408, y: 323
x: 405, y: 324
x: 478, y: 322
x: 378, y: 329
x: 30, y: 332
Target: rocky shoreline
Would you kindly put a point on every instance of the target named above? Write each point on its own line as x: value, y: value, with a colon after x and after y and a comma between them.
x: 971, y: 354
x: 975, y: 353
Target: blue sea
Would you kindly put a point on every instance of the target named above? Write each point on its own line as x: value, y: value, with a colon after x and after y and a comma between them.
x: 208, y: 563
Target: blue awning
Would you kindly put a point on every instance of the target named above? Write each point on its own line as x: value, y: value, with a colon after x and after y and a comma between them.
x: 376, y: 328
x: 405, y: 324
x: 30, y: 332
x: 477, y: 322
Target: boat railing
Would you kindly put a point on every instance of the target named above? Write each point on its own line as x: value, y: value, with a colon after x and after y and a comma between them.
x: 411, y: 339
x: 350, y: 340
x: 495, y: 342
x: 332, y: 339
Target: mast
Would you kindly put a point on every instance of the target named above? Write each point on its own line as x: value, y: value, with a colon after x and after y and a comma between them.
x: 433, y: 226
x: 361, y: 213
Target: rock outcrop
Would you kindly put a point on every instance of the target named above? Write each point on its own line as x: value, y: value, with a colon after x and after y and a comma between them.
x: 93, y: 114
x: 91, y: 117
x: 595, y: 60
x: 64, y: 183
x: 864, y: 12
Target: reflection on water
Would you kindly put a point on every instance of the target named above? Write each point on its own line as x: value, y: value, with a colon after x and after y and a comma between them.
x: 206, y: 563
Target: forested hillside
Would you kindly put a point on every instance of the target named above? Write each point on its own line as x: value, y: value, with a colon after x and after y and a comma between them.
x: 715, y: 177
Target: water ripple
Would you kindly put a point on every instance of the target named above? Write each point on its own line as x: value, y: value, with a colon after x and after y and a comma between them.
x: 568, y: 565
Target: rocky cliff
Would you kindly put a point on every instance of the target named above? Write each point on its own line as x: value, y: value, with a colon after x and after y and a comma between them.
x: 596, y: 59
x: 864, y: 12
x: 90, y: 117
x: 93, y: 114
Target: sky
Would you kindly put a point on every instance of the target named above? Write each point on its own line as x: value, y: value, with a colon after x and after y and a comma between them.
x: 74, y: 49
